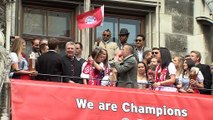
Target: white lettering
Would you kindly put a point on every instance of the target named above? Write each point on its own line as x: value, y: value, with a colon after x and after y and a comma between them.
x: 107, y: 106
x: 101, y: 106
x: 133, y: 108
x: 141, y: 109
x: 150, y: 110
x: 159, y: 112
x: 90, y: 105
x: 114, y: 107
x: 184, y: 113
x: 82, y: 103
x: 177, y: 112
x: 170, y: 111
x: 125, y: 107
x: 164, y: 110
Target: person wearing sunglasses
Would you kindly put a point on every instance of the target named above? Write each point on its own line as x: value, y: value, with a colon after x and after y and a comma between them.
x: 106, y: 43
x: 156, y: 53
x: 123, y: 37
x: 140, y: 46
x: 165, y: 72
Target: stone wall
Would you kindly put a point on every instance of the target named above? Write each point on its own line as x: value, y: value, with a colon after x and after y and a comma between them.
x: 2, y: 15
x: 180, y: 13
x: 181, y: 33
x: 2, y: 21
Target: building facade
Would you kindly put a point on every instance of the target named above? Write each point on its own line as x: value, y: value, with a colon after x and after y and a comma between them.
x: 2, y: 21
x: 180, y: 25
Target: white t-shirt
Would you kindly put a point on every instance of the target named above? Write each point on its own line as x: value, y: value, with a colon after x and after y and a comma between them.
x: 200, y: 77
x: 22, y: 64
x: 171, y: 68
x: 13, y: 57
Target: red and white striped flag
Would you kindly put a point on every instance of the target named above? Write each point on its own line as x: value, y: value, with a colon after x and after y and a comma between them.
x: 91, y: 18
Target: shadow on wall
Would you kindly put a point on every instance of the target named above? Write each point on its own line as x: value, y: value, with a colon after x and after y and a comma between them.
x: 208, y: 37
x: 176, y: 43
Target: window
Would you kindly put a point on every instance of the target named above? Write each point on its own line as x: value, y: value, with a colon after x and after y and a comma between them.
x: 46, y: 23
x: 41, y: 23
x: 114, y: 24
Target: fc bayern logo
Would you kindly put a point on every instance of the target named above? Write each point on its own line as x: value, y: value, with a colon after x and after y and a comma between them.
x: 90, y: 20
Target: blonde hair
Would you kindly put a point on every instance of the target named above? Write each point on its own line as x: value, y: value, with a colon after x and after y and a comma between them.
x: 180, y: 64
x: 106, y: 60
x: 17, y: 46
x: 197, y: 54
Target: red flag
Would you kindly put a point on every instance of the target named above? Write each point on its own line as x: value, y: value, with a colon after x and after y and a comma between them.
x: 91, y: 18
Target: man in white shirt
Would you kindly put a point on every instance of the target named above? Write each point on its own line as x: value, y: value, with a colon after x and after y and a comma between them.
x: 78, y: 52
x: 140, y: 46
x: 35, y: 47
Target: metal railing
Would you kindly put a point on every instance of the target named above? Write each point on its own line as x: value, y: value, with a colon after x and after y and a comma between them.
x: 5, y: 93
x: 148, y: 84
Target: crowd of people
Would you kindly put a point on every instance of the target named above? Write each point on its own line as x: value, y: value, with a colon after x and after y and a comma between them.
x: 111, y: 64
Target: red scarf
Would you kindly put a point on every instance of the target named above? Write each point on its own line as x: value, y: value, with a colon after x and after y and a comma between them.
x: 94, y: 75
x: 160, y: 74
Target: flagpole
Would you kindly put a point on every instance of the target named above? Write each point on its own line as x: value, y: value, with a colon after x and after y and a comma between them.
x: 85, y: 33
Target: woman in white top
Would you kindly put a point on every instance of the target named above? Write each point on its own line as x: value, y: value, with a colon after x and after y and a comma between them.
x: 178, y: 62
x: 92, y: 68
x: 142, y: 76
x: 165, y: 72
x: 106, y: 73
x: 19, y: 65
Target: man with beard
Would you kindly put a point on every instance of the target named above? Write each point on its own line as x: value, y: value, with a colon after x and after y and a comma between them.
x: 35, y: 47
x: 147, y: 56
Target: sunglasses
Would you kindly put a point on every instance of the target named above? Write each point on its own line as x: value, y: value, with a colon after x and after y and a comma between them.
x: 106, y: 35
x: 36, y: 45
x: 155, y: 53
x: 137, y: 40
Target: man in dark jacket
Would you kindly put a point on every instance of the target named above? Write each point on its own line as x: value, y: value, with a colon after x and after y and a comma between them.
x: 127, y: 69
x: 50, y: 63
x: 205, y: 70
x: 72, y: 66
